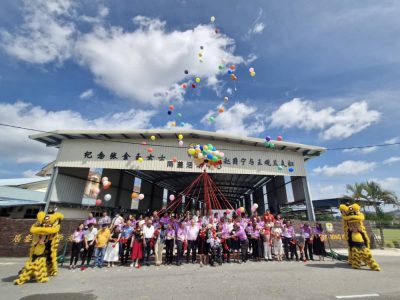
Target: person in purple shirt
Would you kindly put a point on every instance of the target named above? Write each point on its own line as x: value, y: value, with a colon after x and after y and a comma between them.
x: 308, y: 236
x: 244, y: 242
x: 180, y: 239
x: 289, y: 241
x: 77, y: 243
x: 90, y: 220
x: 169, y: 243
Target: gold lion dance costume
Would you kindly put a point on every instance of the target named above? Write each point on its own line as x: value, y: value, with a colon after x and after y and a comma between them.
x: 357, y: 237
x: 42, y: 261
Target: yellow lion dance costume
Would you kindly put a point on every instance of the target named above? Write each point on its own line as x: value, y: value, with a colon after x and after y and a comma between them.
x: 357, y: 237
x: 42, y: 261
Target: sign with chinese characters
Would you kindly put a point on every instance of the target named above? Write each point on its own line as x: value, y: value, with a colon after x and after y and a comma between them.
x: 166, y: 155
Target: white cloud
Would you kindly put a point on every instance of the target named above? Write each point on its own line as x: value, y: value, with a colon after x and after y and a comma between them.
x: 391, y: 160
x: 29, y: 173
x: 361, y: 150
x: 392, y: 141
x: 240, y: 119
x: 325, y: 191
x: 229, y: 91
x: 102, y: 13
x: 45, y: 35
x: 87, y: 94
x: 390, y: 183
x: 20, y: 149
x: 348, y: 167
x: 332, y: 124
x: 258, y: 28
x: 143, y: 64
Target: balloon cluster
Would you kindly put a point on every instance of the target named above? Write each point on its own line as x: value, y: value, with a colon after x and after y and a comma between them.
x: 252, y: 72
x: 268, y: 142
x: 254, y: 207
x: 135, y: 195
x: 206, y: 155
x: 106, y: 185
x: 240, y: 210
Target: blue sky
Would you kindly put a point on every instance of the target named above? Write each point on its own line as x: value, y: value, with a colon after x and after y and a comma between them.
x: 326, y: 74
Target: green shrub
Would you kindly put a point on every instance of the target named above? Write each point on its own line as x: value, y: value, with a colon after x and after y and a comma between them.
x: 396, y: 244
x: 389, y: 245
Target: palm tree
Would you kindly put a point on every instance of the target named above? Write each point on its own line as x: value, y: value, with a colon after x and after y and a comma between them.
x: 356, y: 191
x: 376, y: 195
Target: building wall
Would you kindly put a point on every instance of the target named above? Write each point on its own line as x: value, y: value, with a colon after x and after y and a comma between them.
x: 250, y: 159
x: 70, y: 184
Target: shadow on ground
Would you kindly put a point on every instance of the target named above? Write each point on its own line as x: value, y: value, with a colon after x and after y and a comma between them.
x: 333, y: 266
x: 64, y: 296
x: 9, y: 278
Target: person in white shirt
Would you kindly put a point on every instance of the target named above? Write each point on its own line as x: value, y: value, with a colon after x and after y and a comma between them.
x: 192, y: 231
x: 89, y: 237
x: 277, y: 241
x: 148, y: 234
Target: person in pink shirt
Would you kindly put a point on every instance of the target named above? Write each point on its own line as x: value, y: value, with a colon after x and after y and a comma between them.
x: 192, y: 231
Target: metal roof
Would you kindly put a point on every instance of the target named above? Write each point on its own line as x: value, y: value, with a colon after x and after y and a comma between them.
x: 21, y: 181
x: 12, y: 196
x: 54, y: 138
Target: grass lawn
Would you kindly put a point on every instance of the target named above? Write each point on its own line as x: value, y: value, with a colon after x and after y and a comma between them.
x: 391, y: 235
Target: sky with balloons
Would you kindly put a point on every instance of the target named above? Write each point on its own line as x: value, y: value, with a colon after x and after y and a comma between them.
x: 316, y: 72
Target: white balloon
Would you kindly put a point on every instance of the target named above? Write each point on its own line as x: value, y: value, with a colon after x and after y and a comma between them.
x: 171, y: 197
x: 107, y: 197
x: 141, y: 197
x: 212, y: 19
x: 104, y: 179
x: 200, y: 155
x: 105, y: 183
x: 180, y: 143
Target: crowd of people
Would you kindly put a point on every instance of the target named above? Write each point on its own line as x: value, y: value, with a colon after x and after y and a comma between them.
x: 217, y: 238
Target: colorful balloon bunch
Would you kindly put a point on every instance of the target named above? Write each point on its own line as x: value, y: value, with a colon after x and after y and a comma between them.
x: 252, y: 72
x: 268, y: 142
x: 206, y: 155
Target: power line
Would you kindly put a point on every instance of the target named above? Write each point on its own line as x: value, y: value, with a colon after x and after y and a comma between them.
x: 178, y: 147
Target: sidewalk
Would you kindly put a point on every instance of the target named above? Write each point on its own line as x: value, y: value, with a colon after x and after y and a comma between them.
x: 375, y: 252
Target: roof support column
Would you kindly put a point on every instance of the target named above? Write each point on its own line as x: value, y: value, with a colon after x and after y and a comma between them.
x: 49, y: 191
x: 301, y: 192
x: 247, y: 203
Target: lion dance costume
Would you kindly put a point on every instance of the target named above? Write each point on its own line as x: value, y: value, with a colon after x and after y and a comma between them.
x: 42, y: 261
x: 357, y: 237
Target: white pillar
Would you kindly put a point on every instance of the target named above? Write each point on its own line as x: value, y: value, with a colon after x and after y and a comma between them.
x: 50, y: 187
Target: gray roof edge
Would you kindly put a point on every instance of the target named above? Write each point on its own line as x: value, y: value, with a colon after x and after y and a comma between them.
x: 201, y: 133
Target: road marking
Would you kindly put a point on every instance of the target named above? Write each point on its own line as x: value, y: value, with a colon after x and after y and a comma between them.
x: 357, y: 296
x: 7, y: 264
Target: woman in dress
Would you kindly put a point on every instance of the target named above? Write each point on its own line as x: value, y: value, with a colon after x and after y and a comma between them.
x: 137, y: 246
x: 77, y: 243
x: 112, y: 250
x: 319, y: 241
x: 202, y: 245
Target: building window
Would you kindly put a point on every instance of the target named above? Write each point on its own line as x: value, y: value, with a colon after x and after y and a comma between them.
x: 31, y: 213
x: 266, y: 204
x: 165, y: 198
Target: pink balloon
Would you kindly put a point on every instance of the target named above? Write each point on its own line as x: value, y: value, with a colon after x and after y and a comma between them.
x: 279, y: 138
x: 97, y: 191
x: 228, y: 211
x: 98, y: 202
x: 238, y: 211
x: 171, y: 197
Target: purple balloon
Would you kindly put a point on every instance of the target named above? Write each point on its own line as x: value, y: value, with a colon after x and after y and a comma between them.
x: 267, y: 138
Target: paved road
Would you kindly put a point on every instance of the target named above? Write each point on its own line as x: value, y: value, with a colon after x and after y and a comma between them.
x: 265, y: 280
